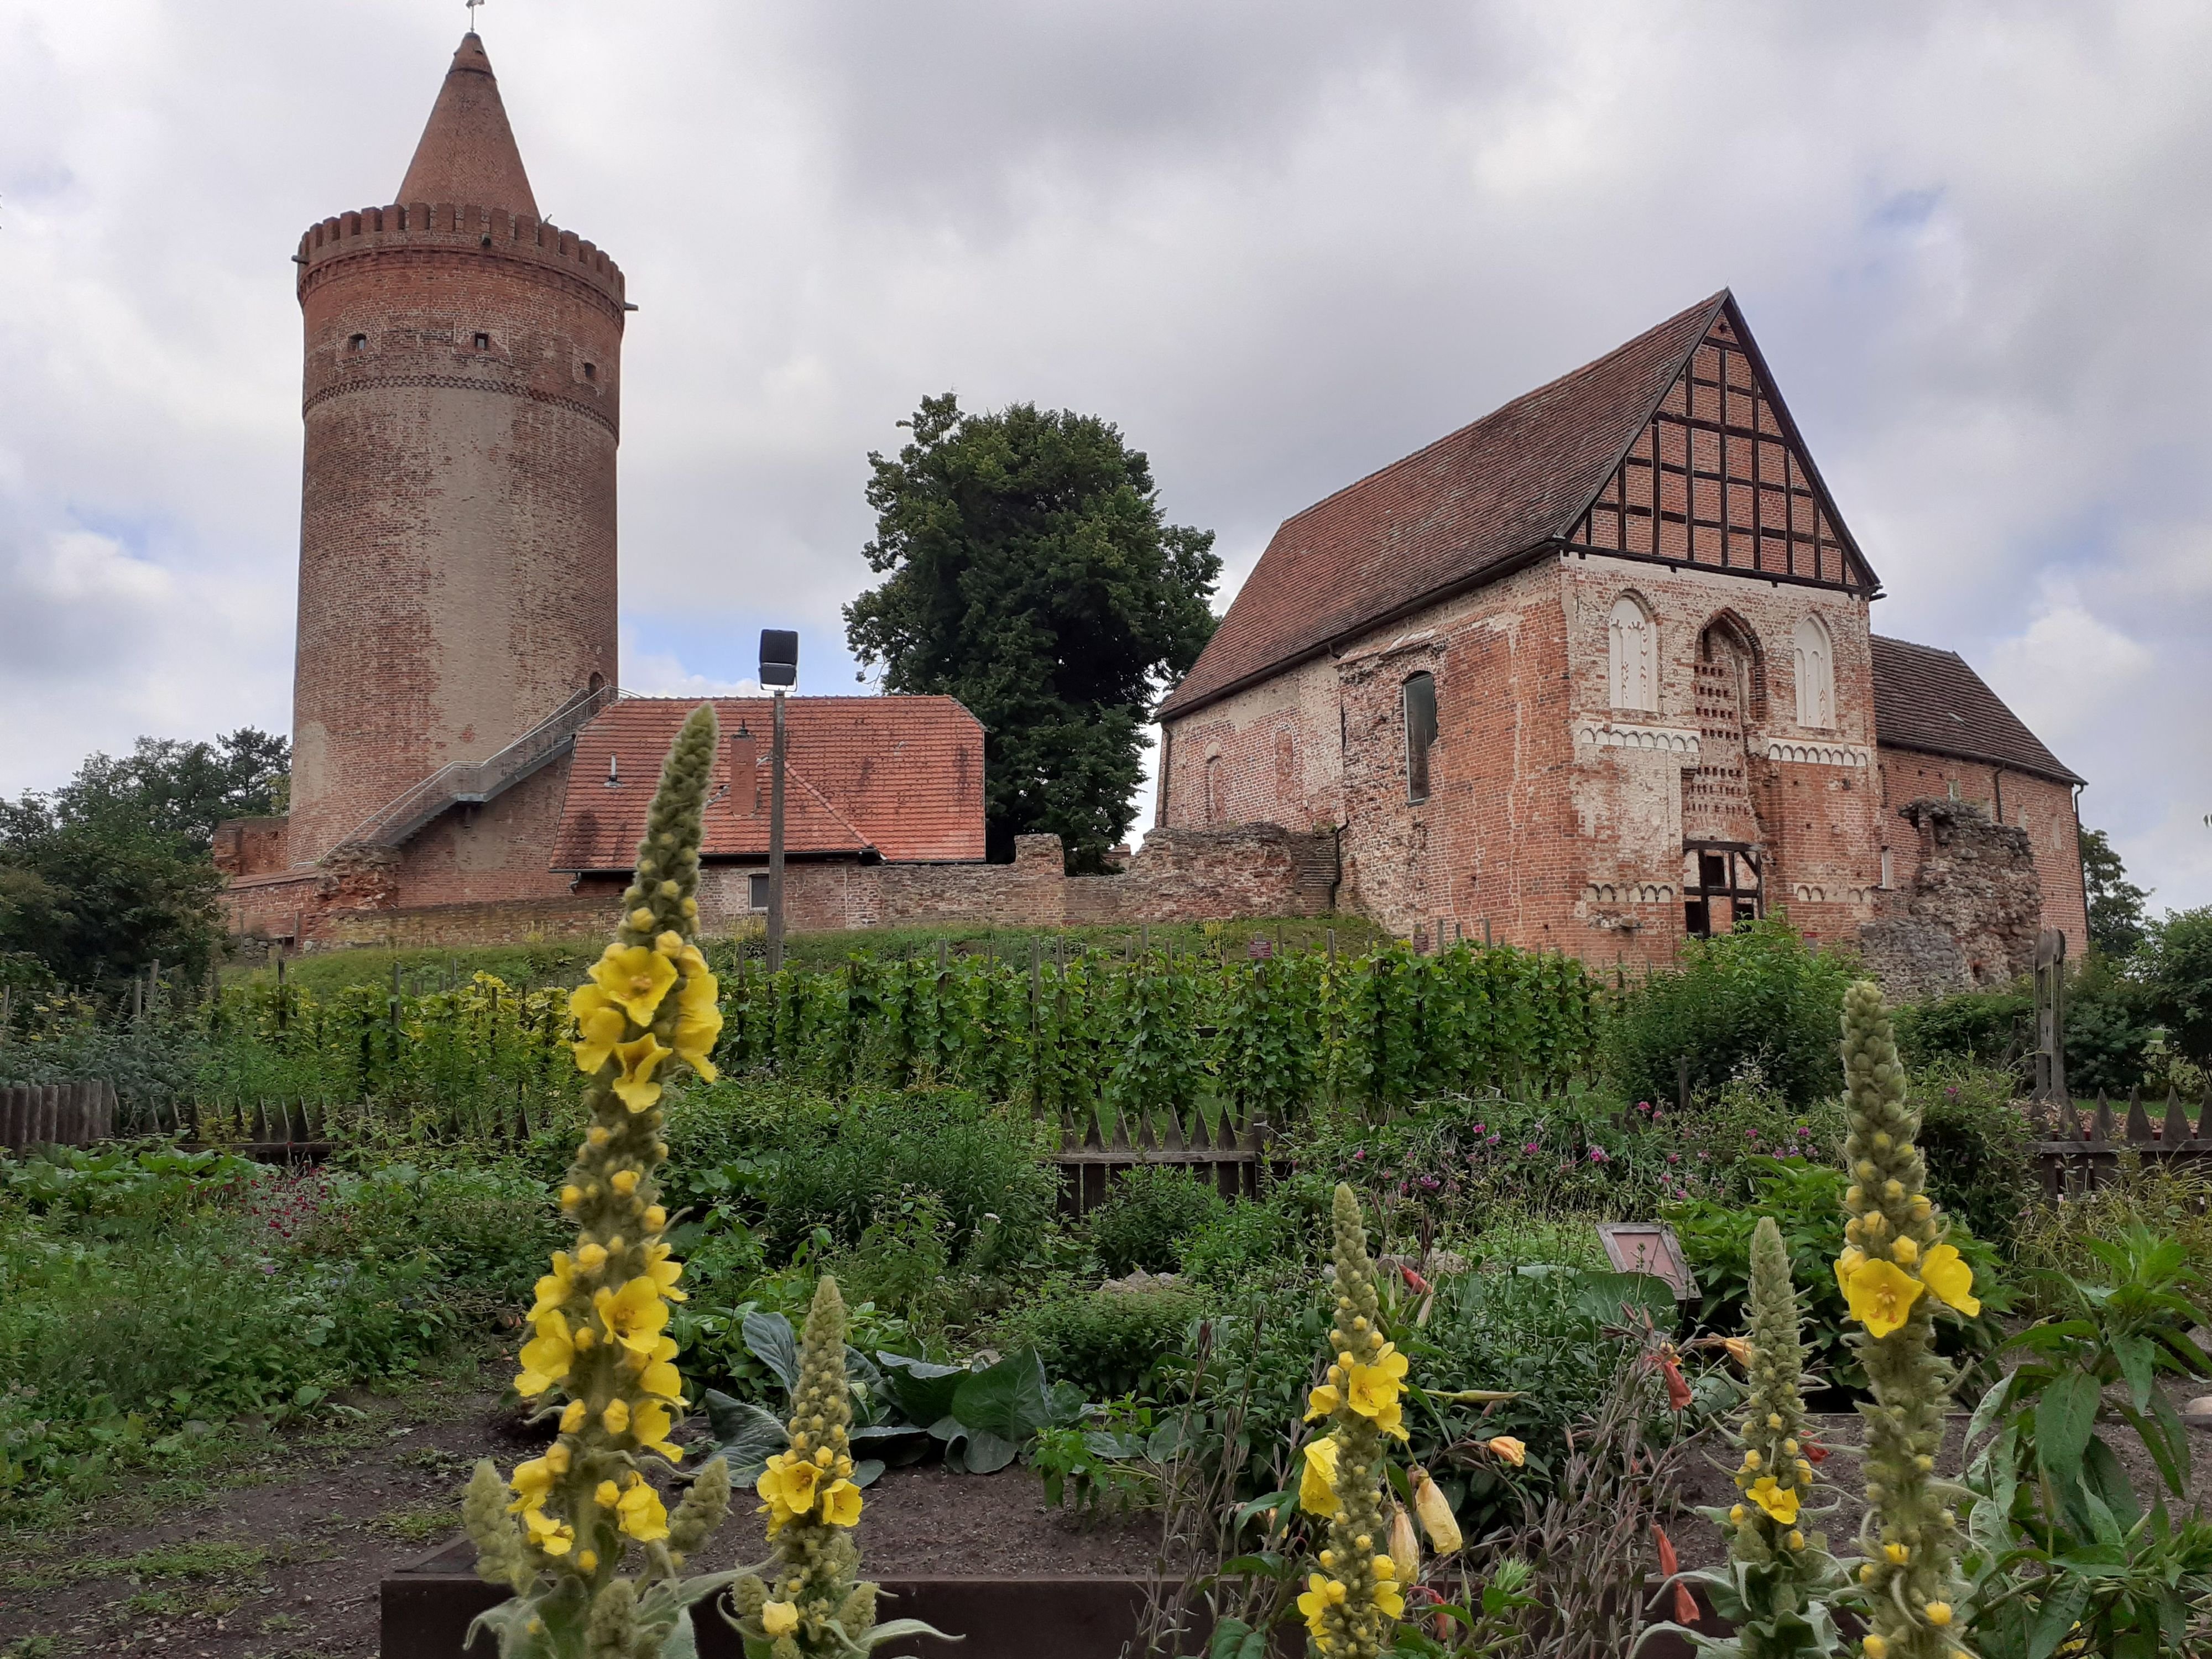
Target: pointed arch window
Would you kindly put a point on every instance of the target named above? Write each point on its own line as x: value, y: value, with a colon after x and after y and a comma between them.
x: 1421, y: 705
x: 1815, y: 656
x: 1632, y: 655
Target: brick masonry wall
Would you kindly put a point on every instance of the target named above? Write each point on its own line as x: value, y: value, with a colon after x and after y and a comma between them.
x: 252, y: 846
x: 495, y: 851
x: 1553, y: 816
x: 2039, y: 806
x: 1271, y: 754
x: 457, y: 546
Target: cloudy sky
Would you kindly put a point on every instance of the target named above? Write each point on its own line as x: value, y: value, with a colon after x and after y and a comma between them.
x: 1279, y: 244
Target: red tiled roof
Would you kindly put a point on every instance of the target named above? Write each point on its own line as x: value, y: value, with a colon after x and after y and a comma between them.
x: 902, y: 776
x: 1930, y: 700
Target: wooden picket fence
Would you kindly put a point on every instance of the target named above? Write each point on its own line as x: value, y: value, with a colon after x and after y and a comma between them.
x: 2079, y: 1147
x: 33, y: 1115
x: 1229, y: 1156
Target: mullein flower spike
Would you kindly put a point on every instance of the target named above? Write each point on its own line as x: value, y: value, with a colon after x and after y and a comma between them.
x: 1896, y: 1274
x: 1356, y: 1593
x: 564, y: 1528
x: 812, y: 1603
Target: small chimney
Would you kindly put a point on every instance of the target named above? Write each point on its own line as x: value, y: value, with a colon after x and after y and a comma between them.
x: 744, y: 777
x: 614, y: 773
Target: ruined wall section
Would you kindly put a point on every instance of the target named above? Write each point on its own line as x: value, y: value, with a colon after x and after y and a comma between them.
x: 1975, y: 883
x: 2043, y: 809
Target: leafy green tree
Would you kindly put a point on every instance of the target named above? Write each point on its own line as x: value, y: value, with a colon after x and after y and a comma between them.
x: 110, y: 872
x: 1028, y: 572
x: 2175, y: 973
x: 181, y: 789
x: 2115, y: 904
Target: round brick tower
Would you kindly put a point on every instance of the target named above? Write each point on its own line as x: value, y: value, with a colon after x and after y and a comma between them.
x: 456, y: 524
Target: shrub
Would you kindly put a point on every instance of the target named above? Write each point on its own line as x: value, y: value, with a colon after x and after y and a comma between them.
x: 1975, y: 1027
x: 979, y: 1165
x: 1111, y: 1343
x: 484, y: 1231
x: 2176, y: 976
x: 1761, y: 995
x: 1249, y: 1243
x: 1143, y: 1221
x: 1980, y: 1150
x: 1806, y: 1201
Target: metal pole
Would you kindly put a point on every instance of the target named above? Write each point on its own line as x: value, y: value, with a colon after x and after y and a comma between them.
x: 775, y: 844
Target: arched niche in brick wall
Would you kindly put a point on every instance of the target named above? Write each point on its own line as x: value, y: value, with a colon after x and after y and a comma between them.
x: 1631, y: 652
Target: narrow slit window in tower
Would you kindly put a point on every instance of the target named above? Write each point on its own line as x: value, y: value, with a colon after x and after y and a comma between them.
x: 359, y: 343
x: 1421, y: 734
x: 484, y: 342
x: 591, y: 371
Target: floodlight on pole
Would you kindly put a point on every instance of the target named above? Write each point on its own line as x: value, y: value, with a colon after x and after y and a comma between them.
x: 779, y: 669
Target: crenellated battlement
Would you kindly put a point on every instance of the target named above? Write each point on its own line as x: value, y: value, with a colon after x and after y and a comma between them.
x: 420, y: 225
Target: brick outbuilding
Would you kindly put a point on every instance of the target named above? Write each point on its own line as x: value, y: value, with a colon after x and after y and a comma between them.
x: 1595, y: 672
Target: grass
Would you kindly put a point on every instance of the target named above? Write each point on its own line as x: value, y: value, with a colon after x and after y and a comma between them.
x: 417, y: 1523
x: 561, y: 962
x: 197, y: 1560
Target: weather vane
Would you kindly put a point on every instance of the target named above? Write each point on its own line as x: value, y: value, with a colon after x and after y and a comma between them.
x: 472, y: 5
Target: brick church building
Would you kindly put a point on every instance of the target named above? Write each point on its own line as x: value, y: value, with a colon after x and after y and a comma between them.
x: 1597, y: 672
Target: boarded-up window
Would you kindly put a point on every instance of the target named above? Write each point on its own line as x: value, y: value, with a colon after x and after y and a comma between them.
x: 1631, y: 654
x: 1420, y: 733
x: 1814, y: 658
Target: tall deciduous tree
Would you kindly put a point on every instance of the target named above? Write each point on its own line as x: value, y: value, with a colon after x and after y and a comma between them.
x: 2115, y: 904
x: 111, y: 873
x: 1029, y: 573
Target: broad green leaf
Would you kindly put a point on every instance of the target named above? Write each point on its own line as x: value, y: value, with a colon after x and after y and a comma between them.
x: 769, y: 1338
x: 923, y: 1391
x: 2138, y: 1359
x: 1010, y: 1399
x: 2065, y: 1418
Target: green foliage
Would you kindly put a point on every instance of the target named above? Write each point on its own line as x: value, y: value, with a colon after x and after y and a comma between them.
x: 1108, y: 1343
x: 1759, y: 996
x: 1146, y: 1218
x: 1247, y: 1243
x: 1212, y: 1041
x: 1974, y: 1028
x: 2176, y: 974
x: 1028, y: 572
x: 2056, y: 1242
x: 2063, y: 1543
x: 109, y: 874
x: 2115, y: 904
x: 1806, y: 1201
x: 1980, y: 1150
x: 147, y: 1297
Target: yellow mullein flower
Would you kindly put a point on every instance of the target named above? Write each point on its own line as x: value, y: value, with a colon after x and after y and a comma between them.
x: 624, y: 1182
x: 556, y: 1288
x: 663, y: 1271
x: 1882, y: 1295
x: 1937, y: 1613
x: 1945, y: 1272
x: 617, y: 1416
x: 1373, y: 1389
x: 600, y: 1024
x: 1848, y: 1263
x: 1321, y: 1594
x: 789, y: 1481
x: 1513, y: 1451
x: 640, y: 1514
x: 840, y: 1503
x: 699, y: 1022
x: 591, y: 1257
x: 572, y: 1416
x: 779, y: 1617
x: 650, y: 1424
x: 546, y: 1357
x: 533, y: 1482
x: 634, y: 1315
x: 635, y: 1087
x: 657, y: 1373
x: 635, y: 979
x: 587, y: 1561
x: 1898, y: 1555
x: 1317, y: 1479
x: 554, y: 1537
x: 607, y: 1495
x: 669, y: 943
x: 1779, y: 1502
x: 1323, y: 1402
